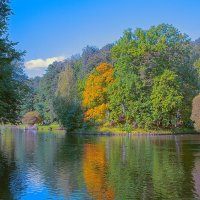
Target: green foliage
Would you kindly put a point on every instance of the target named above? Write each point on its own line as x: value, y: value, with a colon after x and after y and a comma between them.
x: 167, y: 100
x: 12, y: 77
x: 127, y: 101
x: 46, y: 92
x: 66, y: 83
x: 69, y: 114
x: 30, y: 96
x: 197, y: 66
x: 141, y: 59
x: 66, y: 104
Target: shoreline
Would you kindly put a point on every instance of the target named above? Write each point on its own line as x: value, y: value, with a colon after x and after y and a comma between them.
x: 107, y: 131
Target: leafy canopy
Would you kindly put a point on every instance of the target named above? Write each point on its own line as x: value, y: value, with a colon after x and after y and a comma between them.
x: 12, y: 77
x: 95, y: 95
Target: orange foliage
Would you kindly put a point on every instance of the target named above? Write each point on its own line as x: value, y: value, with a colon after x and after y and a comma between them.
x: 94, y: 169
x: 96, y: 112
x: 95, y: 93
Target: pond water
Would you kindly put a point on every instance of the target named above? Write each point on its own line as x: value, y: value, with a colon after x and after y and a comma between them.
x: 60, y: 166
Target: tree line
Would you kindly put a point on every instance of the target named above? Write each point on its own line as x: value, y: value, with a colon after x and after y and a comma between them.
x: 147, y: 79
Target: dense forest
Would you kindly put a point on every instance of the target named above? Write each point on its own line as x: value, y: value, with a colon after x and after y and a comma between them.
x: 147, y: 79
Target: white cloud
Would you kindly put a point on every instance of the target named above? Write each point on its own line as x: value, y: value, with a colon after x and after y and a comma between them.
x: 35, y: 72
x: 42, y: 63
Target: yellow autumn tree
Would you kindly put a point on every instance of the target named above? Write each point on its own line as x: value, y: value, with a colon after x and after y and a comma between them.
x: 95, y: 95
x: 66, y: 83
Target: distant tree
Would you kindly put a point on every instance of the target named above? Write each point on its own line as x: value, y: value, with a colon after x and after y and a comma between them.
x: 196, y: 49
x: 88, y: 59
x: 66, y: 104
x: 46, y: 92
x: 92, y: 57
x: 66, y: 83
x: 76, y: 63
x: 197, y: 66
x: 31, y: 118
x: 29, y: 99
x: 107, y: 48
x: 95, y: 95
x: 197, y: 42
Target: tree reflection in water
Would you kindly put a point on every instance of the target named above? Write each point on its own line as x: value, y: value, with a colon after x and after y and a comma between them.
x: 95, y: 172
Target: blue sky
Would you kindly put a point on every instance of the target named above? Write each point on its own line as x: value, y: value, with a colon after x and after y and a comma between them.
x: 55, y: 29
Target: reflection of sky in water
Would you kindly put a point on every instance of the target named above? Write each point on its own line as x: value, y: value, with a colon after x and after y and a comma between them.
x: 33, y: 192
x: 35, y: 188
x: 45, y: 195
x: 38, y: 172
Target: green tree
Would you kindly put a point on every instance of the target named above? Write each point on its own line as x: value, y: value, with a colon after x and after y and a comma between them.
x: 66, y: 83
x: 29, y: 100
x: 142, y: 56
x: 46, y: 92
x: 167, y: 100
x: 12, y: 78
x: 128, y: 101
x: 67, y: 104
x: 69, y: 113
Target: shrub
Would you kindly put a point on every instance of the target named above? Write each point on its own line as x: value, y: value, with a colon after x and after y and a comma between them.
x: 31, y: 118
x: 69, y: 113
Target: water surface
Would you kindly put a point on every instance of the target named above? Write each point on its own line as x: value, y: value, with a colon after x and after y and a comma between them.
x: 59, y: 166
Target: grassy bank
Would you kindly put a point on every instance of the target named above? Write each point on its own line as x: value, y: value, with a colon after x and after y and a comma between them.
x: 105, y: 130
x: 143, y: 131
x: 51, y: 127
x: 119, y: 131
